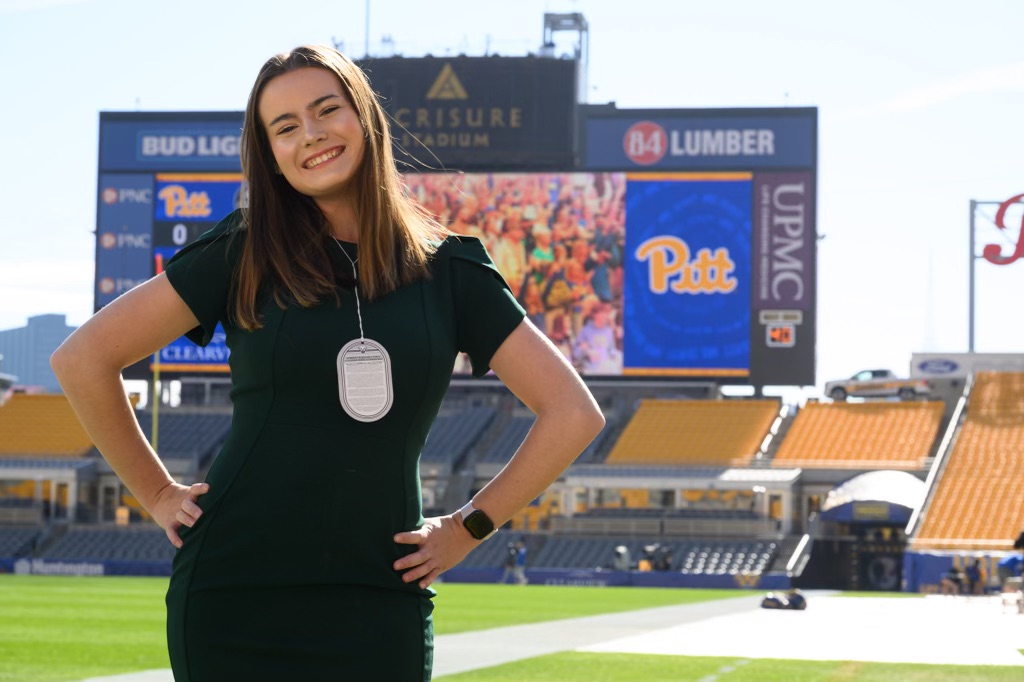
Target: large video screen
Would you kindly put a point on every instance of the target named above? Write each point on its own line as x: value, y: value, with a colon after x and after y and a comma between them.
x: 629, y: 274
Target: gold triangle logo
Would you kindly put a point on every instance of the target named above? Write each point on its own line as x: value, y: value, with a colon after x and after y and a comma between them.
x: 447, y: 86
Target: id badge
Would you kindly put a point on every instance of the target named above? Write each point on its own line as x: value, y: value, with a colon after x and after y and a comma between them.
x: 364, y: 380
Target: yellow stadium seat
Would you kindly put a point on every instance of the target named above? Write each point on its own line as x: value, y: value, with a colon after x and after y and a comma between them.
x: 41, y: 425
x: 867, y: 435
x: 695, y: 432
x: 977, y: 503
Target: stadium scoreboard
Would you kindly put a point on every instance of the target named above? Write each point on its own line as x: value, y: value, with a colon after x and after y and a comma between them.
x: 672, y: 244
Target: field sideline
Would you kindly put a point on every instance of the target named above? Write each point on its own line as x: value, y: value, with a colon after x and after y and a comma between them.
x: 57, y: 629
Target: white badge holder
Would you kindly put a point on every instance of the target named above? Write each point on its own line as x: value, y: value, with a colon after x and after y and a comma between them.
x: 364, y: 371
x: 364, y: 380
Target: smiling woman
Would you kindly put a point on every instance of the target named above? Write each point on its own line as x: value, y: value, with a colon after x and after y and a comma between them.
x: 305, y: 554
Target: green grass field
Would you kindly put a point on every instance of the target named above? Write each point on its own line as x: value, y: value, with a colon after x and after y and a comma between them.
x: 588, y: 667
x: 55, y: 629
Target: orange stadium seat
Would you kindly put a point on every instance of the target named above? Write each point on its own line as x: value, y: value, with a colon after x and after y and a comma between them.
x: 977, y: 504
x: 41, y: 424
x: 695, y: 432
x: 870, y: 435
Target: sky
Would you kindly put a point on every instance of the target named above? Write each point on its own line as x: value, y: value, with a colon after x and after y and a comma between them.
x: 919, y: 112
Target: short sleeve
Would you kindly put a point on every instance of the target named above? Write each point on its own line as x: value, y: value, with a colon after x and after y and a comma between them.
x: 486, y: 311
x: 201, y: 273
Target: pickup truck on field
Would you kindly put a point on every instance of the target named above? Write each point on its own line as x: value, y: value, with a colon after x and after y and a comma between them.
x: 876, y: 383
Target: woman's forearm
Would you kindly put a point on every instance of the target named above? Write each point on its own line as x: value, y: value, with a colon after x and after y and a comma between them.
x: 99, y: 400
x: 550, y: 447
x: 88, y: 365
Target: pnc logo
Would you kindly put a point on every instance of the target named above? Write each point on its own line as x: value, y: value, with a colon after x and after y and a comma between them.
x: 125, y: 240
x: 107, y: 285
x: 993, y: 253
x: 127, y: 195
x: 671, y: 267
x: 180, y: 203
x: 645, y: 143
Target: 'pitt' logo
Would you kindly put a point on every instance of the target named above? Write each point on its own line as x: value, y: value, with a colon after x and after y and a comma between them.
x: 993, y: 253
x: 180, y: 203
x: 671, y: 267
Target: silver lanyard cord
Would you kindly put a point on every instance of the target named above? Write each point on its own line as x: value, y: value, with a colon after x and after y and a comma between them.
x: 355, y: 276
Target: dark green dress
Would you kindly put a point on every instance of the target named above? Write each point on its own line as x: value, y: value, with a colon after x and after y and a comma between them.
x: 288, y: 574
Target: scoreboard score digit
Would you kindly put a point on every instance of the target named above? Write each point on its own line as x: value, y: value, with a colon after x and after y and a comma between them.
x: 780, y: 335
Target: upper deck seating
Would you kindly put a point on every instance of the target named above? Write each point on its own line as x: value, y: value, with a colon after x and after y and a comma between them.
x: 978, y: 502
x: 869, y: 435
x: 41, y: 424
x: 694, y: 432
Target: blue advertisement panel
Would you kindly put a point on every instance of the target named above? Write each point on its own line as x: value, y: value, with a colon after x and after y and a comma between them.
x: 688, y: 274
x: 923, y: 571
x: 701, y: 139
x: 124, y: 234
x: 197, y: 197
x: 170, y: 142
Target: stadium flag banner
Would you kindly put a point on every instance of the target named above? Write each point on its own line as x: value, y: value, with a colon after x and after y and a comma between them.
x: 688, y: 274
x: 479, y: 113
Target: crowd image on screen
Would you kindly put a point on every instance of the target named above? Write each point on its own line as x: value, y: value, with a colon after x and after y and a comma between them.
x: 558, y: 241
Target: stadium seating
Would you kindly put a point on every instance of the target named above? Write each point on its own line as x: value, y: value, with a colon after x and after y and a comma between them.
x: 41, y: 424
x: 869, y: 435
x: 507, y: 442
x: 187, y: 435
x: 107, y: 543
x: 722, y: 558
x: 510, y: 437
x: 453, y: 434
x: 17, y: 541
x: 977, y: 503
x: 694, y: 432
x: 697, y: 557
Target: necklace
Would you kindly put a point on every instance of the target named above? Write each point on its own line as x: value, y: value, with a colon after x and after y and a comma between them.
x: 364, y: 369
x: 355, y: 286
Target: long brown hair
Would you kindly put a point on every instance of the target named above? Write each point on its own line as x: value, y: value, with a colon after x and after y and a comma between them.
x: 287, y: 237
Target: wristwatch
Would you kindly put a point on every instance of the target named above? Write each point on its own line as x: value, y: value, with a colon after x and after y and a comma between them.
x: 476, y: 521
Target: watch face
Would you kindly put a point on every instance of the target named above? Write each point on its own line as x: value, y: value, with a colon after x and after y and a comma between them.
x: 478, y: 525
